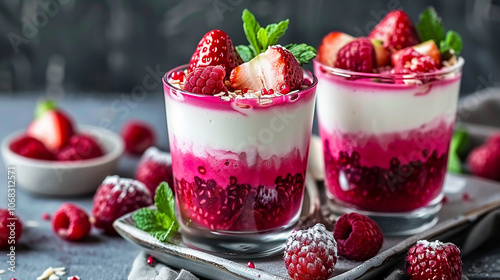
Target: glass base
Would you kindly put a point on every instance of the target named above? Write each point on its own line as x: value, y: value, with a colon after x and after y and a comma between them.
x: 237, y: 245
x: 399, y: 223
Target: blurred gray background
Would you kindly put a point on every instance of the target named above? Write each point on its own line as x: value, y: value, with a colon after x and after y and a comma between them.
x: 62, y: 46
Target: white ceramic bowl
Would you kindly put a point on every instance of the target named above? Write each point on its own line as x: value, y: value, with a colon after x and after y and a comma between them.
x: 57, y: 178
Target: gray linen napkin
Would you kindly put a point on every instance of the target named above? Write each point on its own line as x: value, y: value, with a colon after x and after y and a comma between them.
x: 142, y: 271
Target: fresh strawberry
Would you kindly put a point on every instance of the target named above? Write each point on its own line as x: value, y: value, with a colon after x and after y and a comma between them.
x: 138, y: 136
x: 31, y: 147
x: 381, y: 54
x: 206, y: 80
x: 484, y: 161
x: 215, y: 48
x: 396, y: 30
x: 51, y: 126
x: 273, y: 69
x: 330, y: 46
x: 358, y: 55
x: 428, y: 48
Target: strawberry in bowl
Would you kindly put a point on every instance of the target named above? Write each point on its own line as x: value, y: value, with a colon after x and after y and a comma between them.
x: 386, y: 110
x: 60, y: 158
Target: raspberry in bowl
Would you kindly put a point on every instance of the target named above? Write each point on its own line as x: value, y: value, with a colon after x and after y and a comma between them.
x: 239, y: 135
x: 61, y: 158
x: 386, y: 110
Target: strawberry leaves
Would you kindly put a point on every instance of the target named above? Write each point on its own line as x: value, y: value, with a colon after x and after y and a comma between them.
x: 260, y: 38
x: 160, y: 222
x: 430, y: 28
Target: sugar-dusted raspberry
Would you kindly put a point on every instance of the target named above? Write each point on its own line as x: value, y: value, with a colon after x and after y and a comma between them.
x: 484, y: 160
x: 80, y: 147
x: 116, y: 197
x: 311, y: 253
x: 434, y: 260
x: 71, y: 222
x: 11, y: 228
x: 30, y: 147
x: 359, y: 237
x: 154, y: 167
x: 206, y: 80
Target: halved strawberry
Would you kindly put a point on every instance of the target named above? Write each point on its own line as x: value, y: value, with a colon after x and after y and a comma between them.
x: 396, y: 30
x: 381, y: 54
x: 52, y: 127
x: 273, y: 69
x: 215, y: 48
x: 330, y: 46
x: 428, y: 48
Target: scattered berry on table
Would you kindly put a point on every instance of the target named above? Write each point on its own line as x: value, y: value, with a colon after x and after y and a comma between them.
x: 150, y: 260
x: 138, y: 136
x: 6, y: 230
x: 358, y: 237
x: 71, y: 222
x: 311, y: 253
x: 116, y: 197
x: 484, y: 161
x: 434, y: 260
x: 251, y: 265
x: 46, y: 216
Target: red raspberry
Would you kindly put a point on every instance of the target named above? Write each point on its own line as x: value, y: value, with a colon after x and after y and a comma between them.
x: 358, y: 55
x: 311, y: 254
x: 81, y: 147
x: 138, y: 136
x: 30, y: 147
x: 154, y: 167
x: 484, y: 161
x: 116, y: 197
x: 359, y: 237
x: 11, y: 229
x: 71, y: 222
x: 411, y: 61
x: 206, y: 80
x: 434, y: 260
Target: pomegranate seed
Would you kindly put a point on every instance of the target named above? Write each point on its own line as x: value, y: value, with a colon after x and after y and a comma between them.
x: 445, y: 200
x: 13, y: 279
x: 270, y: 92
x: 466, y: 196
x: 46, y: 216
x: 285, y: 89
x: 151, y: 260
x: 307, y: 82
x: 244, y: 90
x: 251, y: 265
x: 179, y: 75
x: 74, y: 278
x: 263, y: 91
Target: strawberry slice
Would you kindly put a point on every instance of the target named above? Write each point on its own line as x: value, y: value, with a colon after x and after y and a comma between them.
x: 274, y: 69
x: 330, y: 46
x: 427, y: 48
x: 396, y: 30
x: 51, y: 126
x: 215, y: 48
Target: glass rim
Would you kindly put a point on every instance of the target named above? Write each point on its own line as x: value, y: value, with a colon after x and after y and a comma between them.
x: 185, y: 66
x: 456, y: 68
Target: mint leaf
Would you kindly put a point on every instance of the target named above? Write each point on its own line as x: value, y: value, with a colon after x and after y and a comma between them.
x: 245, y: 52
x: 160, y: 222
x: 452, y: 41
x: 251, y: 27
x: 429, y: 27
x: 159, y: 225
x: 302, y: 52
x: 275, y: 31
x: 164, y: 200
x: 262, y: 38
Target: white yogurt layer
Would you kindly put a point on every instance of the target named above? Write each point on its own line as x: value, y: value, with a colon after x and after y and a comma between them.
x: 272, y: 131
x: 381, y: 109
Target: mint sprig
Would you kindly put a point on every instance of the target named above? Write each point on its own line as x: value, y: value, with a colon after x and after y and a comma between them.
x: 160, y: 222
x: 430, y: 27
x: 260, y: 38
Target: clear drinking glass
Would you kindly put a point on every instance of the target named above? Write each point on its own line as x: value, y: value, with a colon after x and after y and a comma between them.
x: 385, y: 140
x: 239, y: 167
